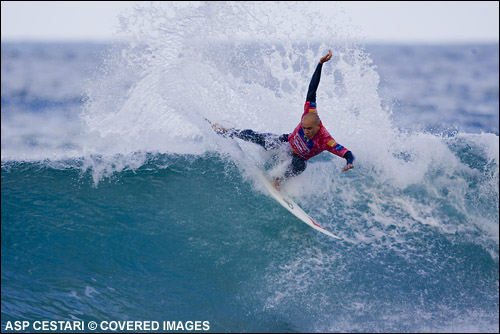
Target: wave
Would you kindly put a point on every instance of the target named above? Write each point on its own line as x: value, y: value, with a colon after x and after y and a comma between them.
x: 152, y: 95
x: 407, y: 254
x: 459, y: 199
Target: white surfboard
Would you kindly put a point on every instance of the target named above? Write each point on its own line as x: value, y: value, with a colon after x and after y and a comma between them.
x: 291, y: 206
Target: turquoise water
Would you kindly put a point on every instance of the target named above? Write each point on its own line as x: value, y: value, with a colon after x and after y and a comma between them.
x: 119, y: 203
x: 145, y: 246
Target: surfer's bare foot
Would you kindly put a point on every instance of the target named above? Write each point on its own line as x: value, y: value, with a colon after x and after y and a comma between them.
x: 218, y: 128
x: 277, y: 183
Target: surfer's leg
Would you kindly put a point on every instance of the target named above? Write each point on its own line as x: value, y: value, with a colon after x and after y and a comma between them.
x: 266, y: 140
x: 251, y: 136
x: 297, y: 166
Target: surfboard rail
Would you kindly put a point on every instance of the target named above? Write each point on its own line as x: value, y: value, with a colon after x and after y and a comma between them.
x: 291, y: 206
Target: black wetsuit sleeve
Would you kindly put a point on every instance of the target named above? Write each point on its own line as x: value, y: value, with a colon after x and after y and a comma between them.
x: 349, y: 157
x: 313, y: 85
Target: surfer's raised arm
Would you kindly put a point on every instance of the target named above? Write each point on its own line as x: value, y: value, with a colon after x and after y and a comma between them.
x: 313, y: 85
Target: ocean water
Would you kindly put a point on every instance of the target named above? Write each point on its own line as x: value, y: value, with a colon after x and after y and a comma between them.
x: 119, y: 203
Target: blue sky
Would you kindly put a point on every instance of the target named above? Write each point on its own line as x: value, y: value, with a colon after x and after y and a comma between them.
x: 416, y: 21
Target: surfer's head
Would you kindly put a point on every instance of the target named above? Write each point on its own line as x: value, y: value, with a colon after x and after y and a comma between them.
x: 310, y: 125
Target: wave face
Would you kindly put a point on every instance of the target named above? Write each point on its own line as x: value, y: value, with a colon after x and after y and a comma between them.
x: 119, y: 202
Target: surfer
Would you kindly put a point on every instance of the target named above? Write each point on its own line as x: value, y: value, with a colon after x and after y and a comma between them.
x: 307, y: 140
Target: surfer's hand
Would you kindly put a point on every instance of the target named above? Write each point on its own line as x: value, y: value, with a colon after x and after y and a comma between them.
x: 347, y: 167
x: 326, y: 58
